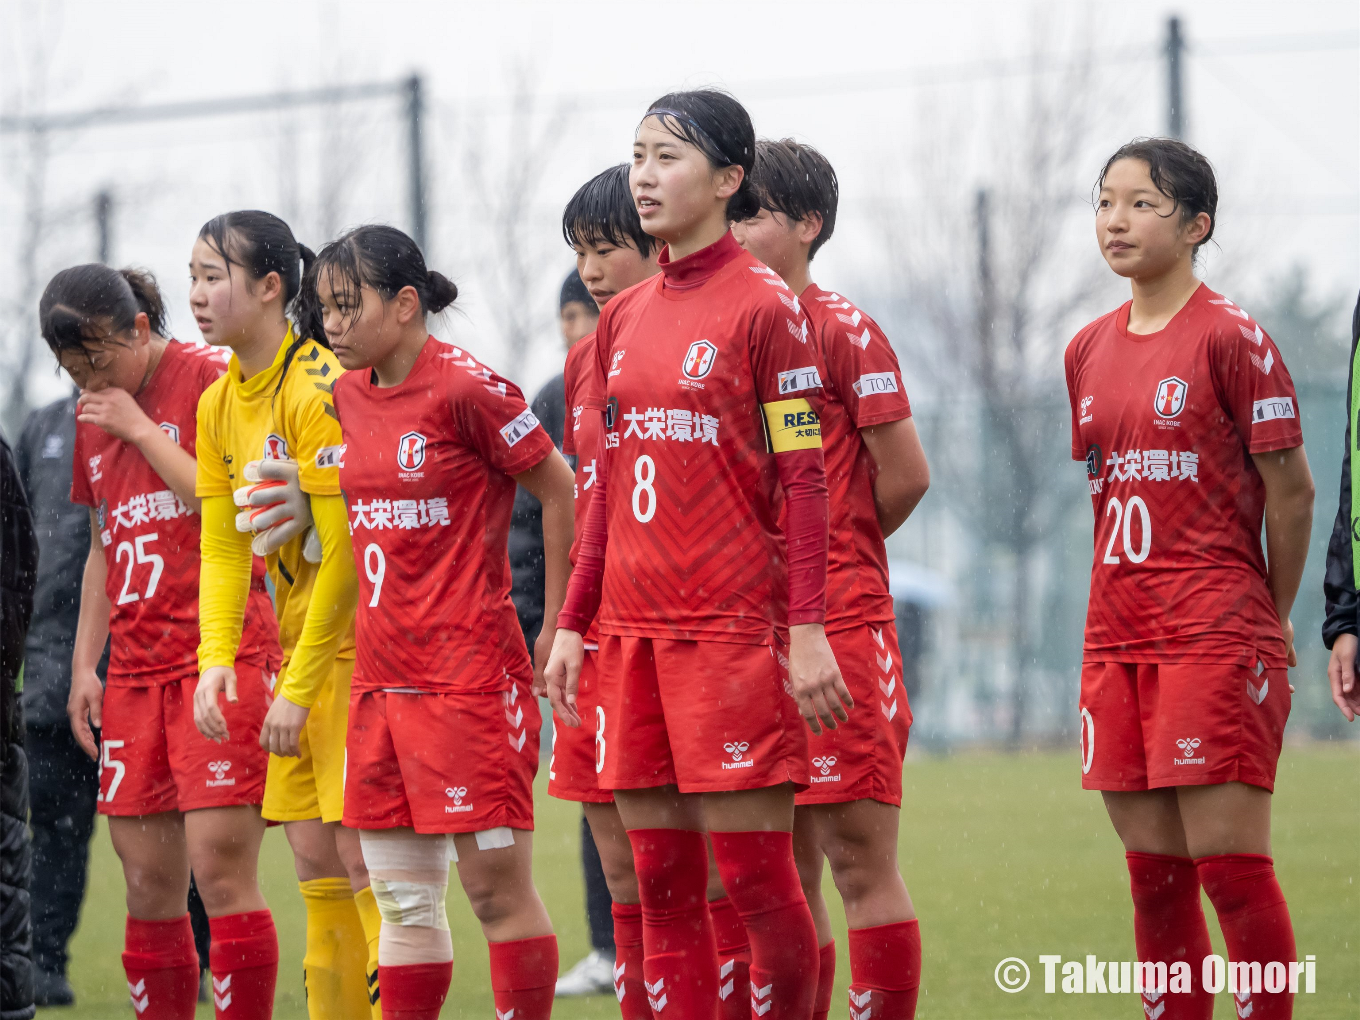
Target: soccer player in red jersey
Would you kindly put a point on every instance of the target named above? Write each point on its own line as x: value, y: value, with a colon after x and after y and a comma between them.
x: 708, y: 378
x: 443, y: 727
x: 876, y: 473
x: 173, y: 798
x: 1188, y: 423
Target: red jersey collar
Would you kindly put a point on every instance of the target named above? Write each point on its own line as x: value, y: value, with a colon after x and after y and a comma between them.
x: 1121, y: 319
x: 697, y: 269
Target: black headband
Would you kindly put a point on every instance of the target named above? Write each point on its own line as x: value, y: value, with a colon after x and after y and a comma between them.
x: 711, y: 143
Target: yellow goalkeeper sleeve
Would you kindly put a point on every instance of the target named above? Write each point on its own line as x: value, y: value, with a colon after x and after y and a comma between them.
x: 330, y: 610
x: 223, y: 583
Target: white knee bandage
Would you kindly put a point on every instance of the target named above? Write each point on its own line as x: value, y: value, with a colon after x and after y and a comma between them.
x: 410, y: 876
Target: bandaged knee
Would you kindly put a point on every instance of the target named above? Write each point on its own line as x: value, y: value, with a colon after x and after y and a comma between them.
x: 409, y: 874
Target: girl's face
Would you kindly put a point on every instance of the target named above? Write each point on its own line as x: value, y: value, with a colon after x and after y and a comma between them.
x: 674, y: 187
x: 228, y: 307
x: 361, y: 327
x: 774, y: 239
x: 119, y: 362
x: 1140, y: 230
x: 606, y: 269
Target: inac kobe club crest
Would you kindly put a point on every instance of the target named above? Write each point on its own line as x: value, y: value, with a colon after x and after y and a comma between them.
x: 1170, y: 398
x: 411, y: 451
x: 699, y: 359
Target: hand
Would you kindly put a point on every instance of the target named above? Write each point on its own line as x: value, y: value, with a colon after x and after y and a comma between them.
x: 543, y: 646
x: 208, y: 716
x: 1341, y: 672
x: 84, y: 707
x: 116, y: 412
x: 276, y: 509
x: 563, y: 674
x: 282, y: 728
x: 1287, y: 626
x: 818, y: 688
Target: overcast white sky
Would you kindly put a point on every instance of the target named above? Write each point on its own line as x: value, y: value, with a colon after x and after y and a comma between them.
x: 1273, y: 92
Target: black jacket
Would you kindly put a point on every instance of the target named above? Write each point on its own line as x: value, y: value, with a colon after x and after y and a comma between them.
x: 44, y: 453
x: 1338, y: 583
x: 18, y: 571
x: 526, y: 520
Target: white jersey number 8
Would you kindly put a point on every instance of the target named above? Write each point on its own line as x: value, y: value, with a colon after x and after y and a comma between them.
x: 1124, y: 513
x: 375, y: 573
x: 644, y: 473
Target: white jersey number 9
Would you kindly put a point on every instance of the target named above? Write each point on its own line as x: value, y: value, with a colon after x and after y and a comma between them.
x: 1123, y: 514
x: 375, y: 567
x: 644, y: 473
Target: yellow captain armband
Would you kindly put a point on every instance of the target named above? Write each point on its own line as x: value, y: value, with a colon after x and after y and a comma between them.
x: 793, y: 425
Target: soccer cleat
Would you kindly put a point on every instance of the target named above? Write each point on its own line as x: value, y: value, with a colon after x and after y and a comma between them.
x: 593, y: 974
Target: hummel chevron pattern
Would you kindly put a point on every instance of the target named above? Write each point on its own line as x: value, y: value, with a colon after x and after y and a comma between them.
x: 222, y: 1001
x: 515, y: 719
x: 1242, y: 1000
x: 888, y: 686
x: 509, y: 1014
x: 725, y: 971
x: 761, y: 1002
x: 860, y: 1009
x: 140, y: 999
x: 657, y: 1002
x: 620, y: 987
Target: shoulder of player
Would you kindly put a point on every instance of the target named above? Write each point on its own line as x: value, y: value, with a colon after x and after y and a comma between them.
x: 1089, y: 334
x: 311, y: 376
x: 214, y: 395
x: 838, y: 320
x: 1226, y: 322
x: 766, y: 290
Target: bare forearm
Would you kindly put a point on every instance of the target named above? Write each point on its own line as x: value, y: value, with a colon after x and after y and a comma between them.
x: 557, y: 537
x: 903, y: 472
x: 894, y: 500
x: 92, y: 627
x: 173, y: 463
x: 1289, y: 524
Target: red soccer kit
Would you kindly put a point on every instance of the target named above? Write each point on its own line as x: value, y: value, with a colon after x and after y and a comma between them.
x: 861, y: 758
x: 572, y: 769
x: 1184, y: 678
x: 443, y: 730
x: 695, y: 589
x: 153, y: 758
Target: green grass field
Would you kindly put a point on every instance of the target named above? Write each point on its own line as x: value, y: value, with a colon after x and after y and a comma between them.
x: 1005, y: 856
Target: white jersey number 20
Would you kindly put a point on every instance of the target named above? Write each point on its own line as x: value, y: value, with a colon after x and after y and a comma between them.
x: 1123, y: 515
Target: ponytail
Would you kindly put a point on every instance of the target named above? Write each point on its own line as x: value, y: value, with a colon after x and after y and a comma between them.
x: 385, y: 259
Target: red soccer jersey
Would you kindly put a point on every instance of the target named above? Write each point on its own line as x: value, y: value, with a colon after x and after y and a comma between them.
x: 425, y: 470
x: 581, y: 434
x: 695, y: 551
x: 151, y: 538
x: 1166, y: 423
x: 863, y: 387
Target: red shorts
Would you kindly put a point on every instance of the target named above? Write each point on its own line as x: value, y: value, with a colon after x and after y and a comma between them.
x: 862, y: 759
x: 722, y: 720
x: 573, y: 769
x: 1146, y: 726
x: 441, y: 762
x: 154, y: 759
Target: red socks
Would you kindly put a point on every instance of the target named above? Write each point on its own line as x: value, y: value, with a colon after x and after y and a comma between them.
x: 826, y: 980
x: 734, y: 960
x: 416, y: 991
x: 680, y: 969
x: 162, y: 968
x: 1168, y: 926
x: 758, y: 873
x: 1256, y: 927
x: 628, y: 962
x: 885, y: 971
x: 245, y: 964
x: 523, y: 977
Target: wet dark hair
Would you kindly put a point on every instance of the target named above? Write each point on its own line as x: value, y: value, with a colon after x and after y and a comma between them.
x: 796, y: 180
x: 574, y: 289
x: 719, y: 127
x: 382, y: 257
x: 94, y: 303
x: 602, y: 211
x: 1181, y: 173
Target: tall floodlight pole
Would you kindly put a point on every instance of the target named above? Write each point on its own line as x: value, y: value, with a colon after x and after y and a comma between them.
x: 1175, y: 84
x: 415, y: 112
x: 103, y: 211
